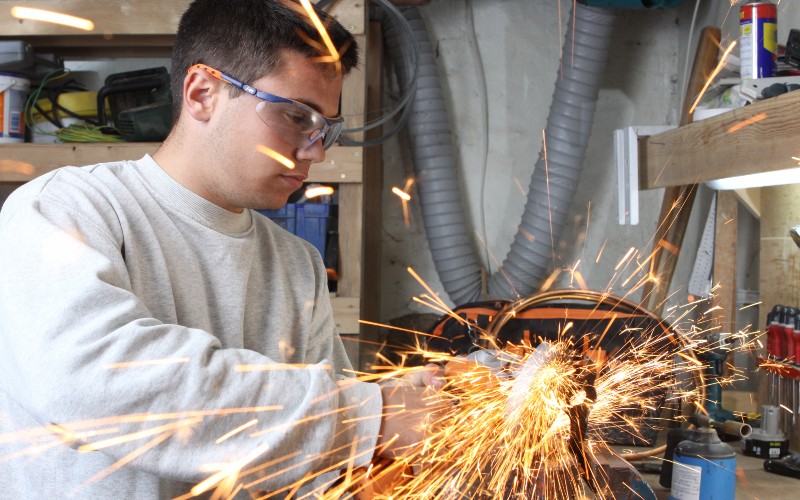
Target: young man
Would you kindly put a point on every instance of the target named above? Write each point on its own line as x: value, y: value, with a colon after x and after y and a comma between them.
x: 155, y: 332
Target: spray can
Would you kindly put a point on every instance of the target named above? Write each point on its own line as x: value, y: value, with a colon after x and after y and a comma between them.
x: 758, y: 38
x: 704, y: 468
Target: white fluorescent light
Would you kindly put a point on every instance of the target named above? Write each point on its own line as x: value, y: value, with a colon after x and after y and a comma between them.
x: 774, y: 178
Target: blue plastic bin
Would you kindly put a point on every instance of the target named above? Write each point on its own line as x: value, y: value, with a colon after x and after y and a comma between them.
x: 309, y: 221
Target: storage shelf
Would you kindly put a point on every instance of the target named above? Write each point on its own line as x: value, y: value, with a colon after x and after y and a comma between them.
x: 129, y: 29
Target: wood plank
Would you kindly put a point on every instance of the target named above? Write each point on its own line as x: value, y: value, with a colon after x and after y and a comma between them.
x: 350, y: 237
x: 725, y: 245
x: 761, y: 137
x: 676, y: 204
x: 346, y: 313
x: 23, y: 162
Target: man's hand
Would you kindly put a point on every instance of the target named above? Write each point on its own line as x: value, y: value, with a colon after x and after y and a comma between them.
x: 407, y: 413
x: 430, y: 375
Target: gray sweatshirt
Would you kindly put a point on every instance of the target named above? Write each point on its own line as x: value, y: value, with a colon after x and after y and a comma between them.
x: 149, y: 338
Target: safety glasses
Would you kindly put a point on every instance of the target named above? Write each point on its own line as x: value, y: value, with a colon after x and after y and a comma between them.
x: 299, y: 124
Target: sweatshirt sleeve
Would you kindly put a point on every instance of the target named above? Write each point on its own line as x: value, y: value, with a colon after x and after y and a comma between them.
x: 81, y: 354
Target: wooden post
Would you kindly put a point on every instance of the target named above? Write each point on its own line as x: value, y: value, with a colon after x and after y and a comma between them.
x: 373, y: 198
x: 676, y: 205
x: 725, y: 242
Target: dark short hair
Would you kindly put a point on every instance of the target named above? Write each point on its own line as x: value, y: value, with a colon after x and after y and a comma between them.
x: 244, y: 38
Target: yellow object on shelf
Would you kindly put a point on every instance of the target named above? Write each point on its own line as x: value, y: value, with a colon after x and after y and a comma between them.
x: 80, y: 103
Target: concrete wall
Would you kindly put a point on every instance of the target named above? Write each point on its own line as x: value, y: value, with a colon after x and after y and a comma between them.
x: 515, y: 46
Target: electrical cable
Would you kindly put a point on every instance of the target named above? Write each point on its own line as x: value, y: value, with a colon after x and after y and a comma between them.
x: 410, y: 62
x: 484, y: 101
x: 72, y: 133
x: 34, y: 96
x: 88, y: 133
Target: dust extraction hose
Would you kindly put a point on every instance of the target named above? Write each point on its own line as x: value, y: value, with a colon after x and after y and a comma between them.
x: 551, y: 190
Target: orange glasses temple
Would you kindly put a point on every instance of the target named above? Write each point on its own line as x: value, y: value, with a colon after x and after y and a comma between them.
x: 213, y: 72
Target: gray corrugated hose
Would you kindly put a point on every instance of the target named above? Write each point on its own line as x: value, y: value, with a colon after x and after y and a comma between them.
x: 567, y: 134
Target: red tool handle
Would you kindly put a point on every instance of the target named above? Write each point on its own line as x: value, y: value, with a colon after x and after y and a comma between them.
x: 787, y: 348
x: 776, y: 332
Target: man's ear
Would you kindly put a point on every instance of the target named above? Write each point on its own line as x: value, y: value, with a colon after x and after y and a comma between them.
x: 200, y: 94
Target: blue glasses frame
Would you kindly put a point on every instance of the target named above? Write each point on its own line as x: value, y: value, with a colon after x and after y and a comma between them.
x: 311, y: 123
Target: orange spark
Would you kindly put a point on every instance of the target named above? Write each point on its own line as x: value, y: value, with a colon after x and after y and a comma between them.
x: 277, y: 367
x: 333, y: 52
x: 147, y: 362
x: 19, y: 167
x: 317, y: 191
x: 402, y: 194
x: 237, y: 430
x: 48, y: 16
x: 625, y: 258
x: 286, y: 162
x: 713, y: 75
x: 742, y: 124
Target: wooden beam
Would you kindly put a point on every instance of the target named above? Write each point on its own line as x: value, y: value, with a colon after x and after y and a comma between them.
x: 726, y: 145
x: 676, y: 206
x: 23, y: 162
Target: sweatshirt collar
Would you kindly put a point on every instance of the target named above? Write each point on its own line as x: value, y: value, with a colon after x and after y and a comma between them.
x: 189, y: 203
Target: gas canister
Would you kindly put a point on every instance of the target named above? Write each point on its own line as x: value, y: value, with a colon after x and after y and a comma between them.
x: 758, y: 38
x: 705, y: 468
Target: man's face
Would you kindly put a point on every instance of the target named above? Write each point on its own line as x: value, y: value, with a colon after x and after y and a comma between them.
x: 242, y: 171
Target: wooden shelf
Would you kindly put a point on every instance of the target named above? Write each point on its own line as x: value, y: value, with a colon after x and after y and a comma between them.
x: 761, y: 137
x: 23, y: 162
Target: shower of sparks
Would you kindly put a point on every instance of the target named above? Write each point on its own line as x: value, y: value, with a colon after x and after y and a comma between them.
x: 489, y: 444
x: 286, y: 162
x: 28, y: 13
x: 485, y: 441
